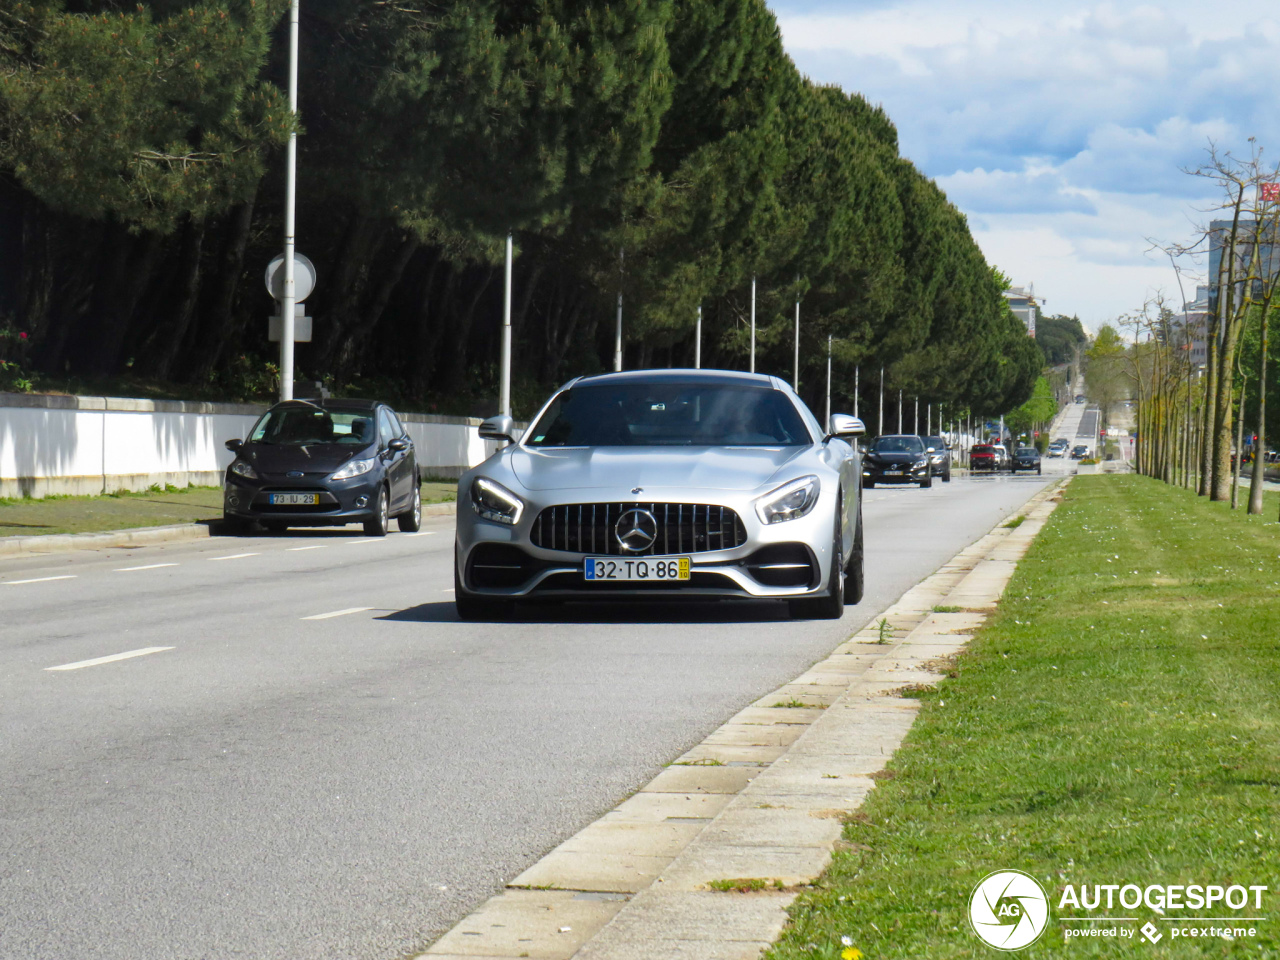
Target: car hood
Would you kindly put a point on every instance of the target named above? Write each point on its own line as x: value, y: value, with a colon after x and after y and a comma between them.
x: 896, y: 457
x: 622, y: 468
x: 309, y: 458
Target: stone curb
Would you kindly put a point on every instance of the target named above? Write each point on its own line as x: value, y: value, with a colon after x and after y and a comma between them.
x: 136, y: 536
x: 761, y: 801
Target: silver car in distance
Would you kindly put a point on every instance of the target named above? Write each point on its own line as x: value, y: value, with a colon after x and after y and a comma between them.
x: 664, y: 484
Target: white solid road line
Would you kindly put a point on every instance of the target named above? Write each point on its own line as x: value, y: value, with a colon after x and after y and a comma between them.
x: 314, y: 546
x: 234, y: 556
x: 338, y: 613
x: 447, y: 590
x: 149, y: 566
x: 128, y: 655
x: 65, y: 576
x: 370, y: 540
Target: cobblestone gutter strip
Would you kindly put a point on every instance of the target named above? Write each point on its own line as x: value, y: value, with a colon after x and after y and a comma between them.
x: 760, y: 802
x: 136, y: 536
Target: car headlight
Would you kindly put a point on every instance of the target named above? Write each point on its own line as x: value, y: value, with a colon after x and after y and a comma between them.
x: 495, y: 502
x: 353, y: 468
x: 789, y: 501
x: 922, y: 463
x: 244, y: 469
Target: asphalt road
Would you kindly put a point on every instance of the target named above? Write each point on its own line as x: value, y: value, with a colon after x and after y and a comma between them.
x: 319, y: 760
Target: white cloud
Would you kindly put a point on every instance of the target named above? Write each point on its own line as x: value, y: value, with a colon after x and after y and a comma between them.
x: 1059, y: 130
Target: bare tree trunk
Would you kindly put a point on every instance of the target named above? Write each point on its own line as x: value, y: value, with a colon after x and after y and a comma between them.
x: 171, y: 330
x: 1238, y: 461
x: 1259, y: 448
x: 220, y: 327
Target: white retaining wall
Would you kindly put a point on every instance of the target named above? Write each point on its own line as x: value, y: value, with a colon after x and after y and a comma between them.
x: 78, y: 445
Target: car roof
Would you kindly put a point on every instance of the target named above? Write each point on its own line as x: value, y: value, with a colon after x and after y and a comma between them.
x: 687, y: 376
x: 332, y: 403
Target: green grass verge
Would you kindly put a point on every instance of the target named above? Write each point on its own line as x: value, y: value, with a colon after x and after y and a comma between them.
x: 149, y: 508
x: 1115, y: 722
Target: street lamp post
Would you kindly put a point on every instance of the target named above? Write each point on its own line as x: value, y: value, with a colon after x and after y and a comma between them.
x: 855, y: 391
x: 288, y: 300
x: 827, y: 419
x: 795, y: 370
x: 880, y: 432
x: 697, y: 342
x: 504, y: 389
x: 753, y: 324
x: 899, y: 410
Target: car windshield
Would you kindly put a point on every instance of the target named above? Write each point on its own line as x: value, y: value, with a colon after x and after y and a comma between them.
x: 303, y: 425
x: 1027, y: 452
x: 937, y: 443
x: 898, y: 445
x: 983, y: 448
x: 669, y: 414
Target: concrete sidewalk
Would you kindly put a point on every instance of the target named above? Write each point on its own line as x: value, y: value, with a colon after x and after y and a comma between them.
x: 760, y: 802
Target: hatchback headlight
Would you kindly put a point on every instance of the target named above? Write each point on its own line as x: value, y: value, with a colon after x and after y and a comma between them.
x: 790, y: 501
x: 244, y: 469
x: 495, y: 502
x: 353, y: 468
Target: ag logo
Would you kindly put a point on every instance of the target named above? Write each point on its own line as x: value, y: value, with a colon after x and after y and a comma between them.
x: 1008, y: 909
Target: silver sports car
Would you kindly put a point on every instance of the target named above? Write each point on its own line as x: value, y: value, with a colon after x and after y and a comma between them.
x: 665, y: 484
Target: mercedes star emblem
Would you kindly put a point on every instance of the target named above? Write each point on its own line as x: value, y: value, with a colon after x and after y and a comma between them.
x: 636, y: 530
x: 637, y: 489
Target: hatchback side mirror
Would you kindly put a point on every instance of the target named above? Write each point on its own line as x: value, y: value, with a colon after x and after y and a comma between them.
x: 398, y: 444
x: 234, y: 445
x: 843, y: 426
x: 497, y: 428
x: 933, y: 449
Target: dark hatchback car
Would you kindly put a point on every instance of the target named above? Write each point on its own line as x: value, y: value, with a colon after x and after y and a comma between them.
x: 940, y: 458
x: 1026, y: 458
x: 897, y: 459
x: 324, y: 463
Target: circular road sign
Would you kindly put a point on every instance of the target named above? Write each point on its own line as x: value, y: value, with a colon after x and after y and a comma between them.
x: 304, y: 277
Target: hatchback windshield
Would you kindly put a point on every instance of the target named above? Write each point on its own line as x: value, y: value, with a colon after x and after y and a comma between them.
x: 898, y: 445
x: 937, y: 443
x: 302, y: 425
x: 669, y: 414
x: 1027, y: 452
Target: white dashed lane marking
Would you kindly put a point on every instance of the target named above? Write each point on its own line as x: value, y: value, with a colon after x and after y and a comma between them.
x: 234, y: 556
x: 314, y: 546
x: 127, y: 655
x: 149, y: 566
x: 338, y: 613
x: 65, y: 576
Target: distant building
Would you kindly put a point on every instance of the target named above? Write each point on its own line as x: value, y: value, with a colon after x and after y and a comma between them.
x: 1022, y: 301
x: 1268, y: 261
x: 1194, y: 327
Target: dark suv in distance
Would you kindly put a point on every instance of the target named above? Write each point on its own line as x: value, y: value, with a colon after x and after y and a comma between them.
x: 1026, y: 458
x: 983, y: 457
x: 898, y: 458
x: 315, y: 463
x: 940, y: 458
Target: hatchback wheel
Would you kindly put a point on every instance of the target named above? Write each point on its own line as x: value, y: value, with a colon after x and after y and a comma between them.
x: 411, y: 520
x: 854, y: 583
x: 946, y: 475
x: 376, y: 526
x: 927, y: 482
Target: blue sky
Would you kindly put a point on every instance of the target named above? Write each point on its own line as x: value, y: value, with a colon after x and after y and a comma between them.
x: 1060, y: 129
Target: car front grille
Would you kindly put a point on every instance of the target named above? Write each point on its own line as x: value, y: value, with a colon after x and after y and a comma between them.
x: 682, y: 528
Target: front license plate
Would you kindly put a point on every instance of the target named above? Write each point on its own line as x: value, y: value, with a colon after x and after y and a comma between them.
x: 892, y: 473
x: 294, y: 499
x: 636, y: 568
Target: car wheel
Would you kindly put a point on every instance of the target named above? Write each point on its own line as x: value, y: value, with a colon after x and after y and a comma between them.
x: 1038, y: 473
x: 274, y: 526
x: 927, y: 482
x: 830, y: 607
x: 471, y: 607
x: 854, y: 583
x: 946, y: 475
x: 233, y: 526
x: 376, y: 526
x: 411, y: 521
x: 868, y: 484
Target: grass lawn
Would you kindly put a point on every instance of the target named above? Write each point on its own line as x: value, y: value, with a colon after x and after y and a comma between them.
x: 1117, y: 721
x: 150, y: 508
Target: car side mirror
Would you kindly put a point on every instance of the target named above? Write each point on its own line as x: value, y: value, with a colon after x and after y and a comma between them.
x: 234, y: 445
x: 843, y: 426
x: 933, y: 449
x: 398, y: 444
x: 497, y: 428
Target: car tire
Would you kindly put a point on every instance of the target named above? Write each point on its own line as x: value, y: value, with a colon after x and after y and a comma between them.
x: 471, y: 607
x: 274, y: 526
x: 855, y: 580
x: 927, y: 482
x: 946, y: 475
x: 1038, y: 470
x: 233, y: 526
x: 868, y: 484
x: 411, y: 520
x: 376, y: 526
x: 830, y: 607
